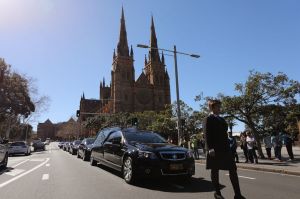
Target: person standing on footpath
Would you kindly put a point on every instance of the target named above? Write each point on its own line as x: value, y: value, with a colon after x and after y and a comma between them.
x: 251, y: 144
x: 268, y: 146
x: 288, y: 142
x: 219, y: 156
x: 277, y: 144
x: 244, y: 146
x: 233, y: 146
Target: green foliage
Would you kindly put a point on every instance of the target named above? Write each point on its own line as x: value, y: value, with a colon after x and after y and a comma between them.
x: 14, y: 93
x: 264, y: 103
x: 16, y: 102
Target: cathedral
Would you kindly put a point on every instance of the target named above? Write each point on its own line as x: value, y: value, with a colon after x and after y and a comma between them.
x: 149, y: 92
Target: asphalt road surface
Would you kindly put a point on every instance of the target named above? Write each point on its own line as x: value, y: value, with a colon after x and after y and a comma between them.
x: 55, y: 174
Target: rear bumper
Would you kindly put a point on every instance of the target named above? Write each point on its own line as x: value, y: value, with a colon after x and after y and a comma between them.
x: 18, y: 151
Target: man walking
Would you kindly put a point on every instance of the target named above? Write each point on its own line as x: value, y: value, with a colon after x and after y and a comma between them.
x: 219, y: 155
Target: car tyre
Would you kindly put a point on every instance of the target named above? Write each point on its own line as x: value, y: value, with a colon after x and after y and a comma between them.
x: 84, y: 157
x: 4, y: 162
x: 93, y: 162
x: 128, y: 170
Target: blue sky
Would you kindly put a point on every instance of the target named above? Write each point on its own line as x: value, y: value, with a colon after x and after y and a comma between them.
x: 67, y: 45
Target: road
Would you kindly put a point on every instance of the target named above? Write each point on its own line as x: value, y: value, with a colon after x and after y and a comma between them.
x: 57, y: 174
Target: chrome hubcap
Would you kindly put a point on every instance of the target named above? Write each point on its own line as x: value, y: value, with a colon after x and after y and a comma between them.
x: 127, y: 169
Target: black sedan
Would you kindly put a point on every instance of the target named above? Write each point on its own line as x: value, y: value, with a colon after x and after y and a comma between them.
x: 84, y: 150
x: 74, y: 147
x: 141, y: 153
x: 66, y: 146
x: 39, y: 145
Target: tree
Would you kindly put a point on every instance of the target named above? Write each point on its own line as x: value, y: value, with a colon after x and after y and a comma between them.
x: 257, y: 98
x: 18, y: 102
x: 68, y: 130
x: 14, y: 96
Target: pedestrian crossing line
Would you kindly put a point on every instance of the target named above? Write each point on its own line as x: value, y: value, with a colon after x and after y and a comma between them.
x: 244, y: 177
x: 37, y: 160
x: 45, y: 177
x: 15, y: 172
x: 23, y: 174
x: 14, y: 166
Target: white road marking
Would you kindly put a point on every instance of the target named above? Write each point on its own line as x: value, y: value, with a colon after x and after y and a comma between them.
x: 244, y: 177
x: 23, y: 174
x: 37, y: 160
x: 14, y: 166
x: 14, y: 172
x: 47, y: 165
x: 45, y: 177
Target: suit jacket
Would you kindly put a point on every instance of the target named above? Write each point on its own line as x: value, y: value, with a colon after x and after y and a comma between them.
x: 215, y: 132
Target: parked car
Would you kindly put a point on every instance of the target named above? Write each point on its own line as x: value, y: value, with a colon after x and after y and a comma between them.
x: 74, y: 147
x: 66, y: 146
x: 3, y: 153
x: 138, y: 153
x: 47, y: 142
x: 84, y: 150
x: 60, y: 145
x: 39, y: 145
x: 19, y: 147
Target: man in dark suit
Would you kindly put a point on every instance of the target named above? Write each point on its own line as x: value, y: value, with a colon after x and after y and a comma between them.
x: 219, y: 156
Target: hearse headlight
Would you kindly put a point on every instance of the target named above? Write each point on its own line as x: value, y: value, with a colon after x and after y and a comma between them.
x: 189, y: 154
x: 147, y: 154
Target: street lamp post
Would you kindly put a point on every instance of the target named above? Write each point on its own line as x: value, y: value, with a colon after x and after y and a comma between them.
x: 179, y: 133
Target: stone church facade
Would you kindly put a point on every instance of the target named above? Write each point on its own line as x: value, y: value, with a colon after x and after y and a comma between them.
x: 151, y: 90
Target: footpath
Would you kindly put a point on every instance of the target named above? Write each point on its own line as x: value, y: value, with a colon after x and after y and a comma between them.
x: 284, y: 167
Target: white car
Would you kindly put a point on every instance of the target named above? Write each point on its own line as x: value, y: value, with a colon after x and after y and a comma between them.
x: 19, y: 147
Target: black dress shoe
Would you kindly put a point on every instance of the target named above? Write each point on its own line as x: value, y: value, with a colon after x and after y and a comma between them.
x: 218, y: 196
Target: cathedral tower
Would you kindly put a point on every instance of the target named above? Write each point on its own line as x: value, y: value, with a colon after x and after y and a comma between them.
x: 123, y: 74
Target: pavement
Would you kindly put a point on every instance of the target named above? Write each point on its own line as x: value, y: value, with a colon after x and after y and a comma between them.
x: 283, y: 167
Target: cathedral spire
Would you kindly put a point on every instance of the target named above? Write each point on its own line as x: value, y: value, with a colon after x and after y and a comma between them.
x: 162, y: 58
x: 131, y: 52
x: 154, y: 55
x: 122, y: 48
x: 114, y: 55
x: 146, y: 60
x: 103, y: 82
x: 83, y: 97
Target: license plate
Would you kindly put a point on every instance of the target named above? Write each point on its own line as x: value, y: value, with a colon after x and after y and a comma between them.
x: 175, y: 167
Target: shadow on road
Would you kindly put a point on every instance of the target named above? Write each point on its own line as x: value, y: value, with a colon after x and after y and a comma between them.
x: 8, y: 169
x: 169, y: 184
x: 195, y: 185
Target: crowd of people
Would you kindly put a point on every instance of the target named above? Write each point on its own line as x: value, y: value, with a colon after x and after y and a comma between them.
x: 276, y: 141
x: 248, y: 145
